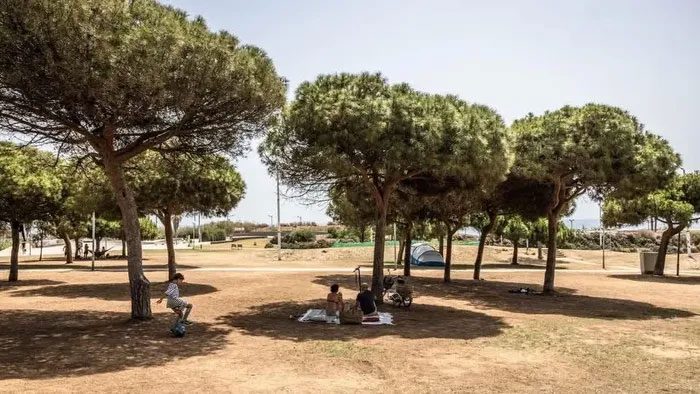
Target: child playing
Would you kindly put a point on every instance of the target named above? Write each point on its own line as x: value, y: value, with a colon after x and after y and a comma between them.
x: 334, y: 304
x: 177, y: 304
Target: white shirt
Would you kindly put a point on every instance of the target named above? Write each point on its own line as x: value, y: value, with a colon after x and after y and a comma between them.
x: 173, y: 291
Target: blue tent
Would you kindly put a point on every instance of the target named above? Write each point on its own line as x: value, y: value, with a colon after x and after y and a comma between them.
x: 424, y: 255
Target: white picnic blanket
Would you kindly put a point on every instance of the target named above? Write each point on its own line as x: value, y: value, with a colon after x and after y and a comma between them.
x: 319, y: 315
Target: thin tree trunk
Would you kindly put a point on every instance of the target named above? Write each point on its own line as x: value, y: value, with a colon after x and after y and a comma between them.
x: 482, y: 241
x: 407, y: 250
x: 666, y: 237
x: 363, y: 234
x: 123, y: 239
x: 139, y: 284
x: 399, y: 258
x: 448, y: 258
x: 378, y: 260
x: 552, y: 229
x: 69, y: 250
x: 41, y: 247
x: 14, y: 253
x: 77, y: 247
x: 168, y: 224
x: 539, y: 251
x: 441, y: 245
x: 515, y: 253
x: 98, y: 241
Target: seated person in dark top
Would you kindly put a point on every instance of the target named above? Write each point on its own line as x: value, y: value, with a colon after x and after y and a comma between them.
x: 365, y: 301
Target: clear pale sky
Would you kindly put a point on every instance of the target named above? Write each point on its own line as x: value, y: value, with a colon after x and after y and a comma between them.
x: 515, y: 56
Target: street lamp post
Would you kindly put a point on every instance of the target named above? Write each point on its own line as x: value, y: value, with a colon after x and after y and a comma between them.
x: 279, y: 225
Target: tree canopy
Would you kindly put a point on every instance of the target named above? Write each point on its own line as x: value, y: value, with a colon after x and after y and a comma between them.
x: 675, y: 205
x: 112, y: 79
x: 173, y: 185
x: 595, y: 149
x: 359, y: 126
x: 30, y: 189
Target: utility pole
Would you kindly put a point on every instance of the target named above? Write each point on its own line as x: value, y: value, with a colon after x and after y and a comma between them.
x: 93, y: 241
x: 300, y: 222
x: 571, y: 224
x: 279, y: 223
x: 199, y: 228
x: 678, y: 256
x: 271, y: 225
x: 396, y: 259
x: 602, y: 233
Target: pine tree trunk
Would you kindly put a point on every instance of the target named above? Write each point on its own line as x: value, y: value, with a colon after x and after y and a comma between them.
x: 399, y: 258
x: 140, y: 286
x: 14, y: 252
x: 407, y: 250
x: 539, y: 251
x: 41, y: 247
x: 482, y: 242
x: 552, y: 229
x: 441, y: 245
x: 515, y: 253
x: 363, y: 234
x: 447, y: 276
x: 378, y: 260
x: 666, y: 237
x: 123, y: 245
x: 77, y: 247
x: 168, y: 224
x: 69, y: 250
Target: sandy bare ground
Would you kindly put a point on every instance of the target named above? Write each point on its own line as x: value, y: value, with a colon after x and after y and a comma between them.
x: 606, y: 332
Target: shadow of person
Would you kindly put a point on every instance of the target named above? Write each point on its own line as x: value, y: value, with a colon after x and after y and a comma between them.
x: 683, y: 280
x: 109, y: 291
x: 495, y: 295
x: 45, y: 344
x: 4, y: 286
x: 422, y: 321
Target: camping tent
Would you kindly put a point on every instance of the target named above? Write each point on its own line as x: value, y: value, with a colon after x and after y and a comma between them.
x: 425, y: 255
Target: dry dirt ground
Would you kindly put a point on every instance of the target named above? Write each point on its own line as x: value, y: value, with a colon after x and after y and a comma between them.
x: 67, y: 330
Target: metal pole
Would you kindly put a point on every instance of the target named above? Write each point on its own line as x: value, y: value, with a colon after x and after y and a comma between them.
x: 602, y: 239
x: 279, y: 222
x: 678, y: 256
x: 199, y: 227
x: 396, y: 259
x: 93, y: 241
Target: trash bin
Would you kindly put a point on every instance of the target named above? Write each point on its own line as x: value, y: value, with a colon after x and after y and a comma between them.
x: 647, y: 262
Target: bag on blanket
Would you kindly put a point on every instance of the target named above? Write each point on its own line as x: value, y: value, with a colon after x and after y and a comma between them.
x: 350, y: 314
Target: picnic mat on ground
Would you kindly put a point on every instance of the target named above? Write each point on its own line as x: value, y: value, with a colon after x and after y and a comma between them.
x: 319, y: 315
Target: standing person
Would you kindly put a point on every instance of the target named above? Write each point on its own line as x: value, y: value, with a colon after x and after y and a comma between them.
x: 86, y: 250
x: 365, y: 301
x: 334, y: 304
x: 181, y: 307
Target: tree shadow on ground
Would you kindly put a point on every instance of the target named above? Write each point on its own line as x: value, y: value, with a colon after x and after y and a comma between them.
x: 276, y: 320
x: 685, y: 280
x: 108, y: 291
x: 495, y: 266
x: 46, y: 344
x: 495, y: 295
x: 4, y: 286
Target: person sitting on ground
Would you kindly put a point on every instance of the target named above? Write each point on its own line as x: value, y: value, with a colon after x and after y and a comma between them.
x: 334, y: 304
x: 365, y: 301
x: 181, y: 307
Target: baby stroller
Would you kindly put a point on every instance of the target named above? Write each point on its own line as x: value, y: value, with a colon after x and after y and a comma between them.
x: 397, y: 291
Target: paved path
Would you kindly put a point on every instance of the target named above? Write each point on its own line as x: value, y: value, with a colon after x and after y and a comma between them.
x: 346, y: 270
